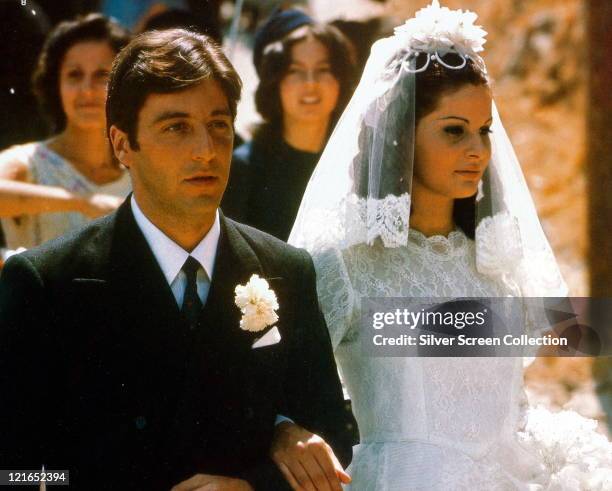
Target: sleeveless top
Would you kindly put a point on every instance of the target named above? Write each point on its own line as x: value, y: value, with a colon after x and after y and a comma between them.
x: 46, y: 167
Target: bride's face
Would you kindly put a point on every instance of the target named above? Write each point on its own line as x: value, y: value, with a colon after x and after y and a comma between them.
x: 452, y: 146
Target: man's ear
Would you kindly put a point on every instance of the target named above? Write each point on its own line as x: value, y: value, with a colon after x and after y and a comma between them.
x: 121, y: 146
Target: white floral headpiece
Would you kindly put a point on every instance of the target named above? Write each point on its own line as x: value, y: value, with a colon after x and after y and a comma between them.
x: 438, y: 30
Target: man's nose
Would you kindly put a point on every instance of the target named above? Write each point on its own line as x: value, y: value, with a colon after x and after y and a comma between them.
x: 204, y: 148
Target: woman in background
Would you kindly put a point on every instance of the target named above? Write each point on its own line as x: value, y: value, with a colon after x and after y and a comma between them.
x: 306, y: 74
x: 50, y: 187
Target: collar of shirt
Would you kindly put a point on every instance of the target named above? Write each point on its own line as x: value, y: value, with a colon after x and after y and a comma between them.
x: 169, y: 255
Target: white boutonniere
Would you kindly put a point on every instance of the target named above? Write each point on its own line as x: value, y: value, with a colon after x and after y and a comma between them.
x: 258, y: 304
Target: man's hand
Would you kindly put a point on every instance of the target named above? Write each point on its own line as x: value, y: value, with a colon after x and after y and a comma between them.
x: 205, y: 482
x: 306, y: 461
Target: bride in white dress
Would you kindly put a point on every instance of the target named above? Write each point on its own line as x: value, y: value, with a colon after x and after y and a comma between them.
x: 419, y: 194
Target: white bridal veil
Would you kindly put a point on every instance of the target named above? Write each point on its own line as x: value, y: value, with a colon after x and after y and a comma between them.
x: 360, y: 191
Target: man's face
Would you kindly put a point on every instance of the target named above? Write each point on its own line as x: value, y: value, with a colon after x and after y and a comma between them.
x: 185, y: 143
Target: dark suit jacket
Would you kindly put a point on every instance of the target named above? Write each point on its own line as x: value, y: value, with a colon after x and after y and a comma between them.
x: 99, y: 373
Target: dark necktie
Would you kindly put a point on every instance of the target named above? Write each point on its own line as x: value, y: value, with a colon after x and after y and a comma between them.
x: 192, y: 305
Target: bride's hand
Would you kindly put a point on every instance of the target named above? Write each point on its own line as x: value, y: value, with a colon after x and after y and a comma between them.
x: 306, y: 460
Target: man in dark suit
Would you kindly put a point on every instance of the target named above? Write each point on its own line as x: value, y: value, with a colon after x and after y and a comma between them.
x: 123, y: 355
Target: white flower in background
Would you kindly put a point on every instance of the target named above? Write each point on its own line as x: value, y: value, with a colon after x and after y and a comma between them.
x: 258, y: 304
x: 436, y: 29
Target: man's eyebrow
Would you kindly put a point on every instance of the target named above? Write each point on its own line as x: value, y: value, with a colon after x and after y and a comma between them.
x: 221, y: 112
x: 180, y: 114
x: 170, y: 115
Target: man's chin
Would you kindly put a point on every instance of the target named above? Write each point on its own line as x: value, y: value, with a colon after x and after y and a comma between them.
x: 201, y: 205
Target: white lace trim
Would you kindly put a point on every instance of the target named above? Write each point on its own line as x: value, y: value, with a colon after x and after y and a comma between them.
x: 356, y: 221
x: 501, y: 253
x: 498, y: 245
x: 438, y: 246
x: 371, y: 218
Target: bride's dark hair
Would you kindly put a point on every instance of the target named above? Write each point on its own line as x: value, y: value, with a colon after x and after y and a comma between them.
x: 430, y: 86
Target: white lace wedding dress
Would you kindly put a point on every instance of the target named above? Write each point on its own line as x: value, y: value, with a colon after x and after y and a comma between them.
x: 440, y: 423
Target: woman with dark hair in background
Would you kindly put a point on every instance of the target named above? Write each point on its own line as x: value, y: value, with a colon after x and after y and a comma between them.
x: 50, y: 187
x: 306, y: 74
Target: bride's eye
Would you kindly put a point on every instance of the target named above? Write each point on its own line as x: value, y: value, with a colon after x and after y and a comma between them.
x: 486, y: 130
x: 454, y: 130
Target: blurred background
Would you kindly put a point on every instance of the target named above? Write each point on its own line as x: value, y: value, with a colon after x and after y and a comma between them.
x: 550, y: 62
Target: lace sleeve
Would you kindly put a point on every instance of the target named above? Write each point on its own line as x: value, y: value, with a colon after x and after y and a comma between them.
x: 336, y: 295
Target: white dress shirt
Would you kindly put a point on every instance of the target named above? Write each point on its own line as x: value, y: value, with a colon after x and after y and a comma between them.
x: 171, y: 257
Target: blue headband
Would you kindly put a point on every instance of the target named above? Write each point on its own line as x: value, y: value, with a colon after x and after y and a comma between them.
x: 275, y: 28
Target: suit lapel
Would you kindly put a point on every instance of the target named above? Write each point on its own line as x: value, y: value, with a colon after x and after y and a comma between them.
x: 235, y: 263
x: 153, y: 335
x: 136, y: 273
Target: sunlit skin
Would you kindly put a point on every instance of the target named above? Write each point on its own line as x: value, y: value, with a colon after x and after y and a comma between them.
x: 309, y: 94
x: 180, y: 171
x: 83, y: 76
x: 82, y: 82
x: 452, y: 151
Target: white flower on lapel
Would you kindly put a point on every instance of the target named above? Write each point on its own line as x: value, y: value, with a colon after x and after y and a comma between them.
x: 258, y: 304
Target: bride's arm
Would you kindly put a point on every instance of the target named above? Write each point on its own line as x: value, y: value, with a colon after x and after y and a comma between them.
x: 312, y: 452
x: 335, y: 293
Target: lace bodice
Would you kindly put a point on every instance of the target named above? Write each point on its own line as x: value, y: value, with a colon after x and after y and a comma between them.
x: 426, y: 389
x: 463, y: 405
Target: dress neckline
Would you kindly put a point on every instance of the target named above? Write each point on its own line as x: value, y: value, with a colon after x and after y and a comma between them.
x: 452, y: 245
x: 45, y: 148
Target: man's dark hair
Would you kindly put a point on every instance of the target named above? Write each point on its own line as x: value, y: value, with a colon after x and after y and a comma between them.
x: 162, y: 62
x: 45, y: 79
